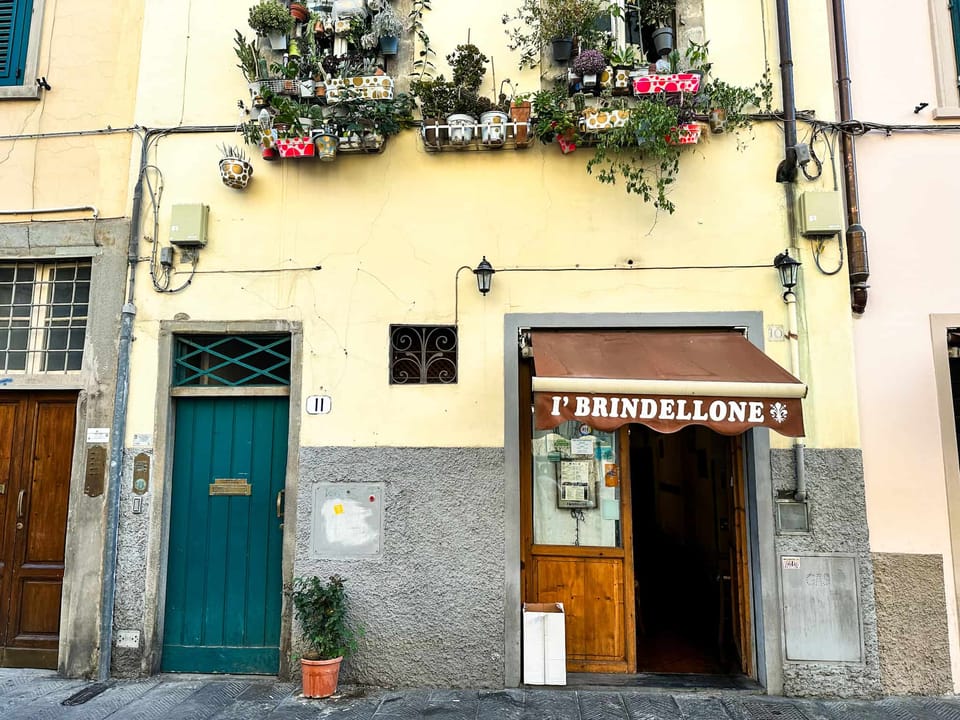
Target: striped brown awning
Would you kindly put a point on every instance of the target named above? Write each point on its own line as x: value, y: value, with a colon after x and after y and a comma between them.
x: 665, y: 379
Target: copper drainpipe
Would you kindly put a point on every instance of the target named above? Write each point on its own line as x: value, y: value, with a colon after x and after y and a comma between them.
x: 858, y: 263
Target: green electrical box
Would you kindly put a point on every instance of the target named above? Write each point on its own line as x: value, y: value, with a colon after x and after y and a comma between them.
x: 188, y: 225
x: 820, y: 214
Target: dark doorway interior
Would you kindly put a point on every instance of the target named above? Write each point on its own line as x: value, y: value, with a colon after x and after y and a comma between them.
x: 689, y: 610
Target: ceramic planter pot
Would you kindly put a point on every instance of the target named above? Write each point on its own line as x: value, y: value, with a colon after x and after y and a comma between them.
x: 493, y: 128
x: 299, y: 12
x: 326, y: 142
x: 462, y: 127
x: 663, y: 40
x: 346, y: 9
x: 433, y: 133
x: 308, y: 88
x: 389, y: 45
x: 718, y: 120
x: 567, y: 142
x: 562, y: 49
x: 320, y: 677
x: 235, y: 172
x: 278, y: 41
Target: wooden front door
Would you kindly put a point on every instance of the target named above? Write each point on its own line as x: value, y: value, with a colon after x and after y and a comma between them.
x: 36, y: 454
x: 580, y: 552
x: 224, y: 576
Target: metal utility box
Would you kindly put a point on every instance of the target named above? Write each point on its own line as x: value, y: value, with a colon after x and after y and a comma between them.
x: 820, y: 213
x: 821, y: 608
x: 188, y: 225
x: 347, y: 520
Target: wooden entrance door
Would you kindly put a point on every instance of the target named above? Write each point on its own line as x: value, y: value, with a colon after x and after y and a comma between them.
x: 739, y: 559
x: 581, y: 558
x: 36, y: 454
x: 224, y: 576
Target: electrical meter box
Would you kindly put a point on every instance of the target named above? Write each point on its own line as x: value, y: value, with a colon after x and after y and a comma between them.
x: 188, y: 225
x: 820, y: 214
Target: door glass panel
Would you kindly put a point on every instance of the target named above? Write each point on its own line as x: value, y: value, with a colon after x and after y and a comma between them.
x: 576, y: 487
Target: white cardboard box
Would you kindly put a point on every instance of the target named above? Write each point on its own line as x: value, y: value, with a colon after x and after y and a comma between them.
x: 544, y: 644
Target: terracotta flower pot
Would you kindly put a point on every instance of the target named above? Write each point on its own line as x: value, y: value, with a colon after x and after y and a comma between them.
x: 299, y: 12
x: 520, y: 113
x: 320, y: 677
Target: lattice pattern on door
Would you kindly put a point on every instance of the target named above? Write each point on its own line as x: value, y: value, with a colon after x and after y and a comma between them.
x: 231, y: 360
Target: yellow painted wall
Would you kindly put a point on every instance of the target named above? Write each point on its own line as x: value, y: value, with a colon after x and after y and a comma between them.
x: 89, y: 54
x: 391, y: 230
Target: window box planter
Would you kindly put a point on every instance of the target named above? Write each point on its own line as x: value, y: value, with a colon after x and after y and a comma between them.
x: 676, y: 83
x: 594, y: 120
x: 300, y: 147
x: 373, y: 87
x: 368, y: 142
x: 687, y: 134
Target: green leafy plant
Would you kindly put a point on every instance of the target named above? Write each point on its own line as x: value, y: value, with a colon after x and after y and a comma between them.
x: 423, y: 66
x: 233, y: 152
x: 551, y: 109
x: 248, y: 53
x: 321, y: 609
x: 536, y: 23
x: 643, y: 154
x: 623, y: 57
x: 270, y: 16
x: 359, y: 115
x: 469, y: 65
x: 589, y: 62
x: 387, y: 23
x: 436, y: 95
x: 656, y: 12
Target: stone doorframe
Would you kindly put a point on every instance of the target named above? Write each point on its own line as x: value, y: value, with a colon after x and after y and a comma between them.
x: 159, y: 522
x: 765, y: 593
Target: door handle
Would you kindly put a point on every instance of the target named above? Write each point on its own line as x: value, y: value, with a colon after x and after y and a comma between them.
x: 280, y: 504
x: 20, y: 504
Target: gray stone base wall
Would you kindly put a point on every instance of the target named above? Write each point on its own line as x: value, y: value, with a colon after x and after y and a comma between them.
x: 912, y: 624
x: 838, y: 524
x: 433, y: 605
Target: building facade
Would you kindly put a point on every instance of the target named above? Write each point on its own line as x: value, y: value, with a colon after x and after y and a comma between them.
x: 66, y: 144
x: 909, y: 328
x: 633, y: 416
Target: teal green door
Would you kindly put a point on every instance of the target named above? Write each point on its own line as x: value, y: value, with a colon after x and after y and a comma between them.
x: 224, y: 582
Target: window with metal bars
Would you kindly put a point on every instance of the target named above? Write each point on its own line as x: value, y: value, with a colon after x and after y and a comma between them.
x: 43, y: 316
x: 423, y: 354
x: 231, y: 360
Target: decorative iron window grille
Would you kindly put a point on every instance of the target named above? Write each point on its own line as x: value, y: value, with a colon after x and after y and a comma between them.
x: 423, y: 354
x: 43, y: 316
x: 231, y: 360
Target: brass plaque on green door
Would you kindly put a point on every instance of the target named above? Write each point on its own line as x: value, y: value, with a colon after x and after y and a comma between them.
x: 230, y: 486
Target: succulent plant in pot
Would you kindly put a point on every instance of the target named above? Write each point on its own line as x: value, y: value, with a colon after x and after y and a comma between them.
x: 387, y: 26
x: 273, y: 20
x: 235, y: 167
x: 659, y: 14
x: 538, y: 23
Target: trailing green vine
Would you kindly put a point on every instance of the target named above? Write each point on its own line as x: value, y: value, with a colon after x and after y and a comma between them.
x: 423, y: 66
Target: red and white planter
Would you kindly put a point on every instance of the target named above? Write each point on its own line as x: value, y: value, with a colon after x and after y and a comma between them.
x: 301, y: 147
x: 675, y: 83
x: 686, y: 134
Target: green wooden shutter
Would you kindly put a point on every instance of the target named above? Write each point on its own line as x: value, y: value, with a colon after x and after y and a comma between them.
x: 954, y: 6
x: 15, y: 18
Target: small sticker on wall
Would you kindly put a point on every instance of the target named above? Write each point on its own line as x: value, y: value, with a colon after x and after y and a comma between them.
x: 791, y: 563
x: 338, y: 509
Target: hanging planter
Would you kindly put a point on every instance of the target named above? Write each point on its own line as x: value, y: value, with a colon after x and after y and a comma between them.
x: 567, y: 141
x: 297, y: 147
x: 326, y: 142
x: 299, y: 12
x: 462, y: 127
x: 389, y: 45
x: 433, y: 132
x: 562, y: 49
x: 235, y: 167
x: 663, y: 40
x: 718, y: 120
x: 685, y: 134
x: 677, y: 82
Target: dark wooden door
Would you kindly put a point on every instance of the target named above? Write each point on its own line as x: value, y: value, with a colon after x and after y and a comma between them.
x: 36, y: 453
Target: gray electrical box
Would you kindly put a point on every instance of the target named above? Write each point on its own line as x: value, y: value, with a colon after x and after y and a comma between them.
x: 820, y: 213
x: 347, y: 520
x: 188, y: 225
x: 821, y: 608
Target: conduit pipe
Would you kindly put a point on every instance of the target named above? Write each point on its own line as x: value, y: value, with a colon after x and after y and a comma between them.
x: 42, y: 211
x: 858, y: 261
x: 788, y: 174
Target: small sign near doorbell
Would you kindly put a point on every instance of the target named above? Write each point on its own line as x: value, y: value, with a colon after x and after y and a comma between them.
x: 128, y: 639
x: 319, y: 404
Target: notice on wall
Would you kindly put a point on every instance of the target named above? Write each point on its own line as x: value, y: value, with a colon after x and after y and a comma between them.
x: 98, y: 435
x: 582, y: 446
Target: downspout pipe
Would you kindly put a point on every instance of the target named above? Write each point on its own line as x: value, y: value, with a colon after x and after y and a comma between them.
x: 118, y: 425
x: 858, y: 260
x: 787, y: 173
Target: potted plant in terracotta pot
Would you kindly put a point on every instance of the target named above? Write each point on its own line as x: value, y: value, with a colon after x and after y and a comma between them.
x: 272, y: 20
x: 321, y: 609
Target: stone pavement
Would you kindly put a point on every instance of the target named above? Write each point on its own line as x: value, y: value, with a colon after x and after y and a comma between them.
x: 41, y: 695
